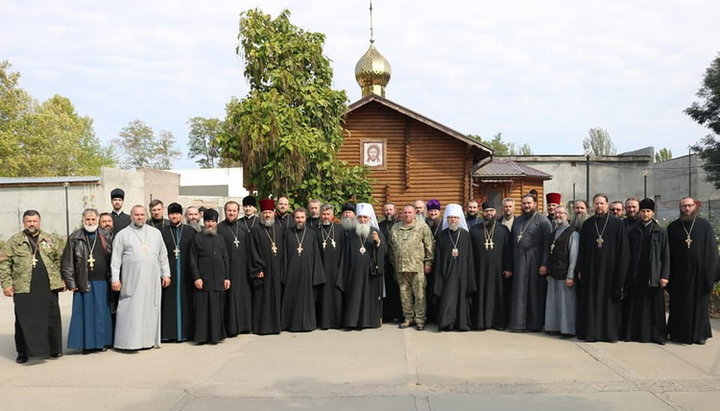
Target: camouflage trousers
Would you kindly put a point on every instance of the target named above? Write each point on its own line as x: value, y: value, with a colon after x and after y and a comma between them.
x: 412, y: 296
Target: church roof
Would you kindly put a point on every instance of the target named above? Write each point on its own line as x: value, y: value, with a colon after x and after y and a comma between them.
x: 418, y: 117
x: 505, y: 169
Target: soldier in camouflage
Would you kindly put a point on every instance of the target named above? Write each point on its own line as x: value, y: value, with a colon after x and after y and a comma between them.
x: 412, y: 245
x: 30, y: 274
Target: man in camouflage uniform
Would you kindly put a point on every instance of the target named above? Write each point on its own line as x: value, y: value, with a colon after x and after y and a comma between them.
x: 412, y: 245
x: 30, y: 273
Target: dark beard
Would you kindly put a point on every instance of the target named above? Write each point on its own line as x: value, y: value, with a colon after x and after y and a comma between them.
x: 433, y: 223
x: 529, y: 213
x: 489, y: 222
x: 690, y: 217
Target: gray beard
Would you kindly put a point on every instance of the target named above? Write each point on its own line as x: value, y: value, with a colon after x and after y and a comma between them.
x: 363, y: 230
x: 326, y: 223
x: 269, y: 222
x: 578, y: 220
x: 389, y: 218
x: 195, y: 225
x: 209, y: 231
x: 453, y: 226
x: 138, y: 224
x: 299, y: 226
x: 348, y: 223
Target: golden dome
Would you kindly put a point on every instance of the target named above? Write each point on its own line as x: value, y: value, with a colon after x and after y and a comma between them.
x: 373, y: 72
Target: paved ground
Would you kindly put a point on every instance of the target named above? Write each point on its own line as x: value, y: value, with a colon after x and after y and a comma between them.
x: 383, y: 369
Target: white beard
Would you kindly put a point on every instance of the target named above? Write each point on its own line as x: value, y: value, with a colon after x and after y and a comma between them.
x: 90, y: 228
x: 453, y: 226
x: 363, y: 230
x: 326, y: 223
x: 209, y: 231
x: 348, y: 223
x: 269, y: 222
x: 138, y: 224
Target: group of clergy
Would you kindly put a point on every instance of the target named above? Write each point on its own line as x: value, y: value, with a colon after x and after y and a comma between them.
x: 172, y: 279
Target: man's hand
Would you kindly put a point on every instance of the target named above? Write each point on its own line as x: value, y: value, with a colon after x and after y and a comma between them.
x: 261, y: 275
x: 199, y: 283
x: 542, y: 270
x: 664, y: 282
x: 507, y: 274
x: 166, y: 282
x: 428, y: 269
x: 569, y: 282
x: 226, y: 284
x: 9, y: 291
x: 376, y: 238
x: 115, y: 285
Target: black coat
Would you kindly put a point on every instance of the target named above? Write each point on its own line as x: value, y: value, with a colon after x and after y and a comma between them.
x: 74, y: 268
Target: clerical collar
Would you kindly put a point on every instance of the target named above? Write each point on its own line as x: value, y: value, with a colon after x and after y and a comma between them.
x: 232, y: 222
x: 117, y: 212
x: 647, y: 223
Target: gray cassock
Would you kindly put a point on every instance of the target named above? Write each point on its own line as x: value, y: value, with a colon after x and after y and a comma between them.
x: 560, y: 306
x: 142, y: 255
x: 527, y: 311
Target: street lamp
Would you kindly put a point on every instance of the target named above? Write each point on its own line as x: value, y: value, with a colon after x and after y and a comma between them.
x: 645, y: 173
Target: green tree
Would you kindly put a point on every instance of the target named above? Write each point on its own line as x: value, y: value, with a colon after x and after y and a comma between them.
x: 45, y: 139
x: 663, y: 155
x: 523, y: 150
x: 707, y: 113
x: 140, y: 147
x: 502, y: 148
x: 287, y: 130
x: 599, y: 143
x: 202, y: 144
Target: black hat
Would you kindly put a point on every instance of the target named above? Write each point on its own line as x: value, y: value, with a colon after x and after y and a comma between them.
x: 174, y: 208
x: 117, y: 193
x: 210, y: 215
x: 487, y: 205
x: 348, y: 207
x: 249, y: 201
x: 647, y: 204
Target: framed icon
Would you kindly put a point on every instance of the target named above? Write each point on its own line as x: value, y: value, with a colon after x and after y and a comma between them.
x: 372, y: 153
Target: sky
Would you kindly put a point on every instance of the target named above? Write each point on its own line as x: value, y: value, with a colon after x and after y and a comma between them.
x: 540, y: 72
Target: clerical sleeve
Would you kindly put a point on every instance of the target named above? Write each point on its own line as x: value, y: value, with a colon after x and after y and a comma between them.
x: 573, y: 247
x: 117, y: 253
x: 193, y: 263
x: 163, y: 261
x: 545, y: 235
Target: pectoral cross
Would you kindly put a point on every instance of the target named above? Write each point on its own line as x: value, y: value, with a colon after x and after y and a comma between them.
x: 91, y: 262
x: 599, y: 242
x: 487, y: 244
x: 332, y: 242
x: 324, y: 244
x: 299, y: 249
x: 688, y: 241
x: 552, y: 247
x: 34, y: 262
x: 274, y: 249
x: 492, y: 244
x: 362, y: 249
x: 177, y: 252
x: 519, y: 237
x: 237, y: 243
x: 455, y: 252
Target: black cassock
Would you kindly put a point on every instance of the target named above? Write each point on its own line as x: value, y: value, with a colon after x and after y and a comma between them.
x: 692, y: 274
x: 331, y: 240
x: 361, y: 280
x: 644, y: 305
x: 491, y: 301
x: 454, y: 279
x: 209, y: 261
x: 303, y: 275
x: 603, y: 269
x: 238, y: 299
x: 267, y: 251
x: 177, y: 300
x: 391, y: 309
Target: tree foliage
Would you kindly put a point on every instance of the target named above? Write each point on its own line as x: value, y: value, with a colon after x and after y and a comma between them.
x: 663, y: 155
x: 45, y: 139
x: 599, y: 143
x: 202, y: 144
x: 502, y: 148
x: 706, y: 112
x: 140, y: 147
x: 287, y: 130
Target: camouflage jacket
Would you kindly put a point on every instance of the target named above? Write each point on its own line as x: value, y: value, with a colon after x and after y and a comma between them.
x: 412, y: 247
x: 16, y: 261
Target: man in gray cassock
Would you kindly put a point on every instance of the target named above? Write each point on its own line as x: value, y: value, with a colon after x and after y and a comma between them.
x: 531, y: 242
x: 563, y: 251
x: 140, y: 252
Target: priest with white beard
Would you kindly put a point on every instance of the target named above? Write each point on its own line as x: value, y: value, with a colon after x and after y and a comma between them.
x: 361, y: 271
x: 140, y: 253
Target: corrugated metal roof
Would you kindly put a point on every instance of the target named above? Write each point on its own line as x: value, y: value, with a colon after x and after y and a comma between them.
x: 509, y: 168
x: 48, y: 180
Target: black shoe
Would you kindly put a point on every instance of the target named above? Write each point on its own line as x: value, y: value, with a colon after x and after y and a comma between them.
x: 21, y: 358
x: 701, y: 342
x: 57, y: 355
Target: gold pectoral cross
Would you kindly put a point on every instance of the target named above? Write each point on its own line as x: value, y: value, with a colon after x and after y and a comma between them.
x: 274, y: 248
x: 34, y: 262
x: 91, y: 262
x: 599, y: 242
x: 300, y: 249
x: 688, y: 241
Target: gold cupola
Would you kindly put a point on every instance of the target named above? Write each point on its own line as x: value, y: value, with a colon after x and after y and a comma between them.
x: 373, y: 72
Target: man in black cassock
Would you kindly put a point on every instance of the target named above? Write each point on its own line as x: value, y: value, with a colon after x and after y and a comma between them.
x: 210, y: 269
x: 267, y: 250
x: 177, y: 299
x: 303, y: 275
x: 531, y: 235
x: 648, y: 276
x: 119, y: 218
x: 331, y: 240
x: 361, y: 275
x: 602, y: 265
x: 694, y: 268
x: 283, y: 216
x: 238, y: 304
x: 313, y: 220
x: 492, y: 252
x: 392, y: 310
x: 454, y: 270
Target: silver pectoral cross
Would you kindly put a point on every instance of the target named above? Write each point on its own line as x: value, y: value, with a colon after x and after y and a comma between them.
x: 362, y: 249
x: 324, y: 244
x: 688, y: 241
x: 237, y: 243
x: 34, y: 262
x: 91, y: 262
x: 599, y: 242
x: 300, y: 249
x: 487, y: 244
x: 176, y: 251
x: 332, y: 242
x: 552, y: 247
x: 519, y: 237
